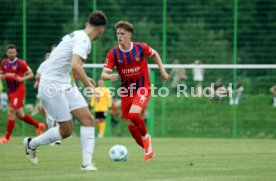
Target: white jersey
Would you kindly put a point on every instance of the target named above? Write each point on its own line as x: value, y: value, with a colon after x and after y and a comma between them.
x: 198, y: 74
x: 41, y: 68
x: 58, y: 65
x: 3, y: 100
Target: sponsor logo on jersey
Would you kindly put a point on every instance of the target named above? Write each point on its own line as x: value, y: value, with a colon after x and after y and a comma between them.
x: 137, y: 58
x: 131, y: 70
x: 143, y: 99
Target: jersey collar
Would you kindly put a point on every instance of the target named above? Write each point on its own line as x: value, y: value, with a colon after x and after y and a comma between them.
x: 131, y: 46
x: 12, y: 61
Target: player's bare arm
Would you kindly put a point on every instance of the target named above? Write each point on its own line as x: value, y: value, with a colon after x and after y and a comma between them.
x: 37, y: 77
x: 165, y: 76
x: 106, y: 75
x: 78, y: 70
x: 29, y: 75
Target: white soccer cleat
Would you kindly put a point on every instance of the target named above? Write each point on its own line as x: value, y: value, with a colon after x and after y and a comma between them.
x: 30, y: 153
x: 88, y: 168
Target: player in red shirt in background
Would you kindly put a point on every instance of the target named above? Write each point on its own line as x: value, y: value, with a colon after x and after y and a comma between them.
x: 13, y: 69
x: 129, y: 58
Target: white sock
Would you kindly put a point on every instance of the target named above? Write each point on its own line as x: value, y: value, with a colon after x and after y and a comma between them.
x: 87, y: 135
x: 231, y: 102
x: 145, y: 137
x: 50, y: 136
x: 50, y: 122
x: 237, y: 100
x: 274, y: 98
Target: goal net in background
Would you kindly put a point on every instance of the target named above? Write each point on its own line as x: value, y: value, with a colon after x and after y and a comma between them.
x: 173, y: 111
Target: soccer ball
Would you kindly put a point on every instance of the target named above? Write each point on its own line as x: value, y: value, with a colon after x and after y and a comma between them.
x: 118, y: 153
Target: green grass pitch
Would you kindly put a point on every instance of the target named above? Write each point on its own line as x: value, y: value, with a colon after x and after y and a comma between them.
x: 176, y: 159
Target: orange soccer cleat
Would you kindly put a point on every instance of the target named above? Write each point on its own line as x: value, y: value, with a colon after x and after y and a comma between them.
x: 4, y: 140
x: 40, y: 128
x: 149, y: 153
x: 149, y: 156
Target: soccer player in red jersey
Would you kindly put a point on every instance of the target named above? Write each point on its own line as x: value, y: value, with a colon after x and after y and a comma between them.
x: 13, y: 69
x: 129, y: 58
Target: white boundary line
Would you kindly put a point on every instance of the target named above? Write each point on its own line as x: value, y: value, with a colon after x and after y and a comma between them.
x: 205, y: 66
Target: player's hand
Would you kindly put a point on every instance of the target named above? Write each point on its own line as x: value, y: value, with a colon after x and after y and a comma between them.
x: 19, y: 79
x: 165, y: 76
x: 36, y: 84
x: 92, y: 82
x: 2, y: 77
x: 113, y: 77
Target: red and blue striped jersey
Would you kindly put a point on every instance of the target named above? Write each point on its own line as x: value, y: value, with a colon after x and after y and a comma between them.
x: 131, y: 65
x: 11, y: 70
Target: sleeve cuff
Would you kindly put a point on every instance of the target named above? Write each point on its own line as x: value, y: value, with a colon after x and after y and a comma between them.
x: 108, y: 69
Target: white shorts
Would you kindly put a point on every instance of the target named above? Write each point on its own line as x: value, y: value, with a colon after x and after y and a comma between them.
x: 59, y: 104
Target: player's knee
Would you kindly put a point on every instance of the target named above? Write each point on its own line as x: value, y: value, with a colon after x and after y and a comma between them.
x: 11, y: 112
x: 132, y: 116
x: 88, y: 121
x: 66, y: 131
x: 19, y: 115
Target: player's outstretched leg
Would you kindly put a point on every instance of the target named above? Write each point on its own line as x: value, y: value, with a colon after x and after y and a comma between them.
x: 29, y: 120
x: 139, y: 122
x: 51, y: 135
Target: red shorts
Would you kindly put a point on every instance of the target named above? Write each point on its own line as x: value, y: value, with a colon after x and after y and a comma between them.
x: 43, y: 111
x: 17, y: 100
x: 140, y: 98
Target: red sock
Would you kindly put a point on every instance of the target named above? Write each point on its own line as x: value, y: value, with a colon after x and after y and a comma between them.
x: 136, y: 134
x: 10, y: 126
x: 28, y: 119
x: 139, y: 122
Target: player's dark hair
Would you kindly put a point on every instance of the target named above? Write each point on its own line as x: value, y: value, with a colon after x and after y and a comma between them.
x: 11, y: 46
x: 97, y: 18
x: 125, y: 25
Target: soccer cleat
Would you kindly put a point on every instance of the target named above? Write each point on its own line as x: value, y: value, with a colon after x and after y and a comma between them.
x: 4, y: 140
x: 58, y: 142
x: 40, y: 128
x: 147, y: 145
x: 149, y: 156
x: 100, y: 135
x: 30, y: 153
x: 88, y: 168
x: 149, y: 153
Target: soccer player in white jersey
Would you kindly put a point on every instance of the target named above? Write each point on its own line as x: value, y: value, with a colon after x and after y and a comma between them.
x: 50, y: 122
x: 60, y: 99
